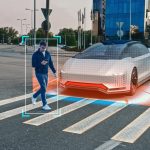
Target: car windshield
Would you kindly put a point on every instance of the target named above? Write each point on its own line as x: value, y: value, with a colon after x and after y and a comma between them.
x: 101, y: 51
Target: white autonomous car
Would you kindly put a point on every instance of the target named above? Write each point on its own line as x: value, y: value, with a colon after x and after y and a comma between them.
x: 109, y: 67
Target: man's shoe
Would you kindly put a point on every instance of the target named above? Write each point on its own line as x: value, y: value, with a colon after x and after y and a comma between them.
x: 46, y: 107
x: 34, y: 100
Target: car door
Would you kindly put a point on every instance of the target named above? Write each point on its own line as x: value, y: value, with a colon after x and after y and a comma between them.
x: 140, y: 58
x: 145, y: 54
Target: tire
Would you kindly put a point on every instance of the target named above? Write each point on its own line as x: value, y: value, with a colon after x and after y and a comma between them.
x: 134, y: 82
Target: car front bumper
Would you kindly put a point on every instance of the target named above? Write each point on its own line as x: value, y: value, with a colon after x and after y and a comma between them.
x: 94, y: 87
x: 106, y: 84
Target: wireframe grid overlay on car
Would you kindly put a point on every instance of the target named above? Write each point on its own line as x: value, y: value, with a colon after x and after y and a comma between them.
x: 109, y: 67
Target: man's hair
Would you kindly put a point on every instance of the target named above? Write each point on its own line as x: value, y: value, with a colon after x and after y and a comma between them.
x: 42, y: 43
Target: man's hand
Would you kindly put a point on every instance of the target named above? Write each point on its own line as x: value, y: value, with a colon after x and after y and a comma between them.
x: 55, y: 75
x: 44, y: 62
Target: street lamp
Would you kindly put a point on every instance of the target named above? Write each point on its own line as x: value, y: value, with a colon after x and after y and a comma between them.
x: 21, y: 20
x: 31, y: 10
x: 27, y: 26
x: 34, y: 10
x: 31, y: 17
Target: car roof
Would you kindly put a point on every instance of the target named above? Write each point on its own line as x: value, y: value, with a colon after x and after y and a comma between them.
x: 116, y: 42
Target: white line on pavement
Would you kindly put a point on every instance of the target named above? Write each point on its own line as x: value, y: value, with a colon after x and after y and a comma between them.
x: 109, y: 145
x: 135, y: 129
x: 64, y: 110
x: 14, y: 99
x: 91, y: 121
x: 18, y: 110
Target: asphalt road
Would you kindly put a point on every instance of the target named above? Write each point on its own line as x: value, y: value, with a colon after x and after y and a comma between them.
x: 86, y: 120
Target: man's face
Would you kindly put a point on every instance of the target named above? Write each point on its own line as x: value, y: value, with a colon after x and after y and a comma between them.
x: 42, y: 48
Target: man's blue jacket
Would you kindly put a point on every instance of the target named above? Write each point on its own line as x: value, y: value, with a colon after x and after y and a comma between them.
x: 37, y: 58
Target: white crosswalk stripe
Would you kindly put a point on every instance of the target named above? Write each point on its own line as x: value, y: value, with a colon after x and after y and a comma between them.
x: 15, y: 99
x: 64, y: 110
x: 135, y: 129
x: 109, y: 145
x: 93, y: 120
x: 16, y: 111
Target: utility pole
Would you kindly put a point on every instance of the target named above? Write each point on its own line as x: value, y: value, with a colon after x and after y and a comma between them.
x: 34, y: 25
x: 92, y: 18
x: 47, y: 19
x: 84, y: 27
x: 46, y: 24
x: 65, y: 40
x: 21, y: 20
x: 3, y: 39
x: 79, y: 29
x: 32, y: 11
x: 26, y: 25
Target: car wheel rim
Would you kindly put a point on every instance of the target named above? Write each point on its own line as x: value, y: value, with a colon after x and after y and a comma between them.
x: 134, y: 81
x: 134, y: 77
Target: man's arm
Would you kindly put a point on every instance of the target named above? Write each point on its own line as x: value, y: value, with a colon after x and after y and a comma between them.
x: 51, y: 65
x: 34, y: 62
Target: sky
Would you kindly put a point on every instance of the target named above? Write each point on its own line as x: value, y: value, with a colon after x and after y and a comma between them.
x: 64, y: 13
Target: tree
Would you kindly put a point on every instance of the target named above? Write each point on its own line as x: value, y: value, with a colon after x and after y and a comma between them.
x: 8, y: 34
x: 68, y: 36
x: 40, y: 34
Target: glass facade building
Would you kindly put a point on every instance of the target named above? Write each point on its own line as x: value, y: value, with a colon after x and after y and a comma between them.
x: 119, y: 11
x: 97, y: 5
x: 99, y: 9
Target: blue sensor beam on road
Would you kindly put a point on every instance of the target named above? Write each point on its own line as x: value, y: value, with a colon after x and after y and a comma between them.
x: 64, y: 110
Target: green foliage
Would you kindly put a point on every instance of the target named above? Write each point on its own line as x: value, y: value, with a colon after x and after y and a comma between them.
x: 40, y: 33
x: 8, y: 34
x: 68, y: 37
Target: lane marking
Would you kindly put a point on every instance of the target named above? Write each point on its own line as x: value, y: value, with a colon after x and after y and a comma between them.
x: 14, y: 99
x: 16, y: 111
x: 96, y: 118
x: 109, y: 145
x: 135, y: 129
x: 64, y: 110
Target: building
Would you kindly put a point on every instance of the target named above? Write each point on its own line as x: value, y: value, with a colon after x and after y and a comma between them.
x: 98, y: 17
x: 131, y: 13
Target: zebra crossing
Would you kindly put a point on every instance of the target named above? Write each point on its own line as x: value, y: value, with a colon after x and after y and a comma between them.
x: 16, y: 111
x: 129, y: 134
x: 95, y: 119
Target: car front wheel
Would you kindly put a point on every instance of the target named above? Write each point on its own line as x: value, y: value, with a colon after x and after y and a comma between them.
x: 134, y: 82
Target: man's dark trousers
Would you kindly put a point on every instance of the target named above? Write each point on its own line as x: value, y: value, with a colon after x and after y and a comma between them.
x: 43, y: 80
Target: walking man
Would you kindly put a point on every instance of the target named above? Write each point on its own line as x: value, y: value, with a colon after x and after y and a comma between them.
x: 41, y: 61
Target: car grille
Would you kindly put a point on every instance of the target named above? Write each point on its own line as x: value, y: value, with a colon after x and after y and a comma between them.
x: 115, y: 81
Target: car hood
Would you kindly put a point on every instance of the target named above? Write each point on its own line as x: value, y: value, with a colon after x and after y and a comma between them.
x: 95, y: 66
